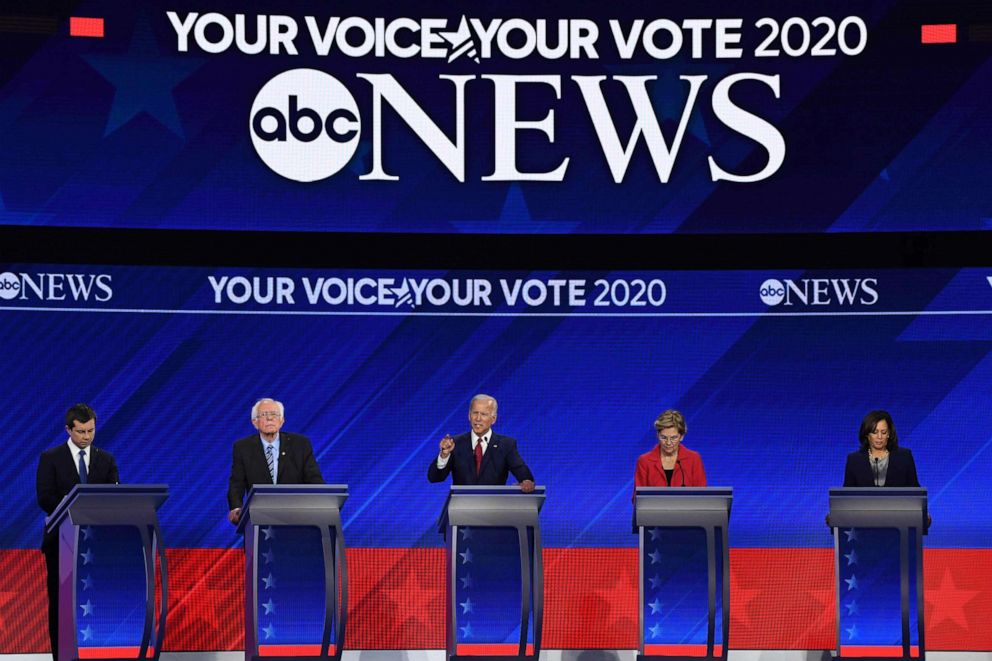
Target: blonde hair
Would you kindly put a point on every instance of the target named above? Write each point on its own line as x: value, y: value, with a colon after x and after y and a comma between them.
x: 670, y: 418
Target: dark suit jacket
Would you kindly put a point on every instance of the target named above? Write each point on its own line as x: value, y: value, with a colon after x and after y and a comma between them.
x: 57, y: 475
x: 500, y: 459
x: 296, y: 465
x: 901, y: 472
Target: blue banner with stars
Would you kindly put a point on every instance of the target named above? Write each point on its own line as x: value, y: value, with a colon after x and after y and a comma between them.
x: 110, y: 588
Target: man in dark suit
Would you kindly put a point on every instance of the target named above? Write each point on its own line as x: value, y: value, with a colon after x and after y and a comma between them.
x: 480, y: 456
x: 269, y: 457
x: 60, y: 469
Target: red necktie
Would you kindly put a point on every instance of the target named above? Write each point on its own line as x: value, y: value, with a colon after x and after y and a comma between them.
x: 478, y: 457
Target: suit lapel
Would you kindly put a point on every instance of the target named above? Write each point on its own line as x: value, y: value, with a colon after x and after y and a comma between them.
x: 488, y: 457
x: 284, y: 445
x: 69, y: 463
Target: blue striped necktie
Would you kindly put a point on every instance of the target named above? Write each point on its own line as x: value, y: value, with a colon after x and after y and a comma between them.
x: 268, y: 459
x: 83, y: 475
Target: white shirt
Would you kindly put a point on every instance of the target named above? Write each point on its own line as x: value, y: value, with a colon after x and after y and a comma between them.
x: 74, y: 449
x: 484, y: 439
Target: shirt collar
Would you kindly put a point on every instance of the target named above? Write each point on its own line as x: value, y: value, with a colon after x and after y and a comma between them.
x: 74, y: 449
x: 488, y: 435
x: 275, y: 443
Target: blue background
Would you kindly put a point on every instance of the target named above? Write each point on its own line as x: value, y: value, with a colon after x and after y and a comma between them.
x: 773, y: 398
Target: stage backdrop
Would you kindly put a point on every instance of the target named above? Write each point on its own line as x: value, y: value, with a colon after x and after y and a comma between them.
x: 584, y: 117
x: 772, y: 369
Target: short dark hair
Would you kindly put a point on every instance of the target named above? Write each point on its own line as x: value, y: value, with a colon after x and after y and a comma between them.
x: 79, y: 413
x: 871, y: 420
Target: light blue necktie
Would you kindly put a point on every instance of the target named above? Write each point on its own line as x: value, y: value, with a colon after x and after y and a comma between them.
x: 268, y: 458
x: 83, y: 475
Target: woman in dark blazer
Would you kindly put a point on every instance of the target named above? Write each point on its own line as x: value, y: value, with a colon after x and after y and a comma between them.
x: 880, y: 462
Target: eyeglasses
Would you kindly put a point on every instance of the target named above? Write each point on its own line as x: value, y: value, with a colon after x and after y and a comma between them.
x: 669, y: 439
x: 880, y: 432
x: 268, y: 414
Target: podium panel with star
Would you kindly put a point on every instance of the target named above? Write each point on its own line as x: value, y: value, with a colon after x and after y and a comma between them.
x: 878, y: 554
x: 296, y: 582
x: 684, y: 567
x: 112, y: 572
x: 495, y: 585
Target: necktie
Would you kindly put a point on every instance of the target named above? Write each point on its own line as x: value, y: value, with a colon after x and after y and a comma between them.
x: 83, y: 475
x: 478, y: 457
x: 269, y: 460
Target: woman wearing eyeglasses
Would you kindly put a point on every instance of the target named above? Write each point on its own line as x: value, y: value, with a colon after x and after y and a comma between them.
x: 670, y: 464
x: 880, y: 462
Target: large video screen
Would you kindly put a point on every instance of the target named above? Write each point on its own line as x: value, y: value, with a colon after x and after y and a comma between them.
x: 498, y: 117
x: 773, y: 370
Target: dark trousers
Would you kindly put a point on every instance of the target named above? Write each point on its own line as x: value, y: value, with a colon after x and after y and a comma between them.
x: 52, y: 565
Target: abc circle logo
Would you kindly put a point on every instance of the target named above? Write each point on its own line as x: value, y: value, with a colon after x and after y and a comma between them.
x: 772, y: 292
x: 305, y: 125
x: 10, y: 286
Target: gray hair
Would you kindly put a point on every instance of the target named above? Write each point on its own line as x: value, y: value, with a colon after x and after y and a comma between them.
x: 265, y: 400
x: 484, y: 398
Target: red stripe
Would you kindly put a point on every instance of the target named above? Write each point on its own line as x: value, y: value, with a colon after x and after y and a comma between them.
x: 780, y: 599
x: 854, y: 651
x: 291, y: 650
x: 85, y: 27
x: 491, y: 650
x: 680, y: 650
x: 946, y: 33
x: 112, y: 652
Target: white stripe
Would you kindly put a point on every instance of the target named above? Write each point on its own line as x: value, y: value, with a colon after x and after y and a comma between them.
x: 345, y: 313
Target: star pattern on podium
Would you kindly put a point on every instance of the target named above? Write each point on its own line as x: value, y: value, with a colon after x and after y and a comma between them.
x: 269, y: 606
x: 466, y: 630
x: 270, y: 631
x: 269, y: 556
x: 86, y: 532
x: 270, y: 581
x: 852, y: 558
x: 655, y: 606
x: 466, y: 556
x: 852, y: 582
x: 87, y: 633
x: 852, y: 632
x: 87, y: 608
x: 85, y: 583
x: 268, y: 533
x: 652, y: 606
x: 852, y: 607
x: 87, y: 556
x: 465, y: 532
x: 467, y: 605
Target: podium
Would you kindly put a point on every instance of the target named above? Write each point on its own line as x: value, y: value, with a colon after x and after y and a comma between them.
x: 109, y: 542
x: 878, y: 558
x: 684, y: 569
x: 296, y: 574
x: 495, y: 574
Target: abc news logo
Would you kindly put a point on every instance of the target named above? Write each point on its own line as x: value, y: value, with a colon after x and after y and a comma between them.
x: 820, y: 291
x: 55, y: 287
x: 305, y: 125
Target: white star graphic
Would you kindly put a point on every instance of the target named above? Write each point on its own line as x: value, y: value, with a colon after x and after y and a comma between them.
x: 655, y: 606
x: 655, y: 630
x: 269, y: 606
x: 655, y: 581
x: 467, y: 581
x: 852, y: 583
x: 270, y: 631
x: 269, y: 556
x: 461, y: 42
x: 466, y: 630
x: 655, y: 557
x: 466, y: 533
x: 87, y: 632
x: 87, y: 556
x: 87, y: 582
x: 852, y: 633
x: 466, y: 556
x: 467, y: 606
x: 270, y: 581
x: 852, y: 535
x: 268, y: 532
x: 852, y: 558
x: 87, y: 608
x: 655, y: 534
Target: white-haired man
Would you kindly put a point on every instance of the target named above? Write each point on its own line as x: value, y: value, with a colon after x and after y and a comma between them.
x: 270, y: 456
x: 480, y: 456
